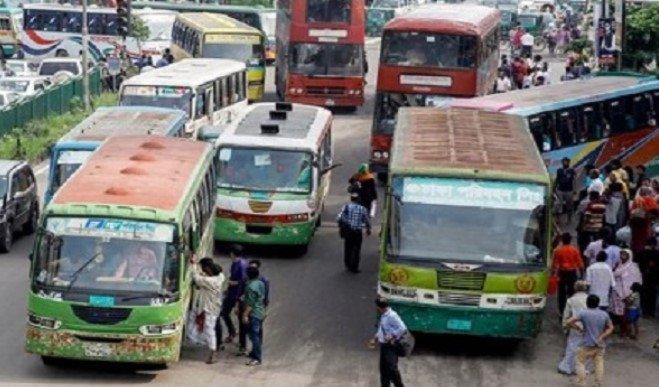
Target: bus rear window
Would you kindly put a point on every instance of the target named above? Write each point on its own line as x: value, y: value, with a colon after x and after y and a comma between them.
x: 328, y: 11
x: 421, y: 49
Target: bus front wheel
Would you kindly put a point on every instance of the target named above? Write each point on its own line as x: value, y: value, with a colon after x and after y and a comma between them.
x: 49, y: 361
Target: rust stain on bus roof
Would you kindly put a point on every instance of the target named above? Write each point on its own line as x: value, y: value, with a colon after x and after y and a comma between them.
x: 464, y: 139
x: 447, y: 18
x: 143, y: 171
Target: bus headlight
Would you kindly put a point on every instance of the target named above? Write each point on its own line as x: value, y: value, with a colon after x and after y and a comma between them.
x: 43, y: 322
x: 377, y: 154
x: 385, y: 155
x: 157, y: 330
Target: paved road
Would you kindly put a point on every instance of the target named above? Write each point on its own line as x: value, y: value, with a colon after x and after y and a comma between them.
x: 320, y: 320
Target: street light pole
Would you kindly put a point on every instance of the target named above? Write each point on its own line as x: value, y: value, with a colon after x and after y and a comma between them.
x: 85, y: 59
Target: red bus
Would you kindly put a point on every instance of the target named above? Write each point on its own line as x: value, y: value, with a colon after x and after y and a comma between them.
x: 428, y: 56
x: 320, y: 52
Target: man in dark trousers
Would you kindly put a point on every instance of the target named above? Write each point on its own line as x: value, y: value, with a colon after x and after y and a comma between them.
x: 352, y: 219
x: 565, y: 187
x: 390, y: 329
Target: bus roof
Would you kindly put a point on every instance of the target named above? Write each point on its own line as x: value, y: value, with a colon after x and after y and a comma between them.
x: 300, y: 128
x: 560, y: 95
x: 447, y: 18
x: 192, y: 7
x: 216, y: 22
x: 126, y: 120
x: 142, y: 171
x: 67, y: 8
x: 465, y: 142
x: 186, y: 73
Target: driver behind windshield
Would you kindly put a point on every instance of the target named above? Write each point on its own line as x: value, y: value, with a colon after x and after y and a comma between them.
x: 140, y: 263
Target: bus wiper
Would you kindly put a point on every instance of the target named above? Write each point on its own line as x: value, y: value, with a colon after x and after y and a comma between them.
x: 158, y: 294
x: 74, y: 276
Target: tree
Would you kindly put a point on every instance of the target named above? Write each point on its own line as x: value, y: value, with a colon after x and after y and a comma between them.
x: 642, y: 34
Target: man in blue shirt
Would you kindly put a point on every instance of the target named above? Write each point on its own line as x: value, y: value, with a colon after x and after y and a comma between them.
x: 390, y: 329
x: 595, y: 325
x: 266, y: 282
x: 352, y: 219
x: 237, y: 279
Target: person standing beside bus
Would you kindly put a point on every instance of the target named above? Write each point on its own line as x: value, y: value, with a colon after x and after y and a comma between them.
x: 237, y: 276
x: 365, y: 184
x: 565, y: 178
x: 352, y: 219
x: 254, y: 313
x: 207, y: 302
x: 567, y: 265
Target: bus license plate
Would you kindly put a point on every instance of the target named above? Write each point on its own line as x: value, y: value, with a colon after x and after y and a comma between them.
x: 97, y: 349
x: 459, y: 325
x: 329, y: 102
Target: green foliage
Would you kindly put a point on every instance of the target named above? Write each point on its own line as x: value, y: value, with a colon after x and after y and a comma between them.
x: 32, y: 141
x: 642, y: 32
x: 138, y: 29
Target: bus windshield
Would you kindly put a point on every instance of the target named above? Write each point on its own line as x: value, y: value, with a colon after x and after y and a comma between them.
x: 467, y: 221
x: 262, y: 169
x: 387, y: 105
x: 386, y: 4
x: 328, y: 11
x: 246, y: 53
x: 321, y: 59
x: 158, y: 96
x: 425, y: 49
x: 112, y: 256
x: 159, y: 24
x: 67, y: 163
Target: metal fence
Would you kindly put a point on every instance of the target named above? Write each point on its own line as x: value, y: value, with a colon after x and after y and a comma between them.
x: 54, y: 100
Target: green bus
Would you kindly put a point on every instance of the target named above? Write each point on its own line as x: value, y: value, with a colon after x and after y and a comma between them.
x: 465, y: 241
x: 110, y: 277
x: 274, y: 174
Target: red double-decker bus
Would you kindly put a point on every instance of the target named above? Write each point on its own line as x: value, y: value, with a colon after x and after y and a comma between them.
x: 320, y: 52
x: 428, y: 56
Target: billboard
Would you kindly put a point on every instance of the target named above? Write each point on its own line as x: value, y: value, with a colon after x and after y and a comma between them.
x: 606, y: 41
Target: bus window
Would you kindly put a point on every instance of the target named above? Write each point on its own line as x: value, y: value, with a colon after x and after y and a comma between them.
x: 96, y: 23
x: 637, y: 110
x: 224, y: 88
x: 332, y: 11
x: 655, y: 103
x: 72, y: 22
x: 200, y: 103
x: 537, y: 131
x: 111, y: 25
x: 616, y: 116
x: 217, y: 96
x: 591, y: 127
x: 565, y: 127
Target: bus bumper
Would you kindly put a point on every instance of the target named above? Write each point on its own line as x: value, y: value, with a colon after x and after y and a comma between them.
x: 378, y: 167
x: 294, y: 234
x: 520, y: 324
x: 103, y: 347
x: 327, y: 101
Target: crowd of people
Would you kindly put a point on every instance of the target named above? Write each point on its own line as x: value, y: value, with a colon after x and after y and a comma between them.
x: 521, y: 73
x: 609, y: 279
x: 246, y: 293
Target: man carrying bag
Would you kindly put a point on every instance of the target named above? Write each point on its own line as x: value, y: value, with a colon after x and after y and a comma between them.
x: 351, y: 220
x: 395, y: 341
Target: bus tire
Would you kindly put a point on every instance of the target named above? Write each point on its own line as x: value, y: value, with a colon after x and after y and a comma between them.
x: 49, y: 361
x: 300, y: 250
x: 6, y: 238
x: 61, y: 53
x: 319, y: 219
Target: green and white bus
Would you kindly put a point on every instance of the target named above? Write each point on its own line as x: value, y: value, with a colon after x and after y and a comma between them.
x: 110, y: 276
x: 274, y: 166
x: 465, y: 240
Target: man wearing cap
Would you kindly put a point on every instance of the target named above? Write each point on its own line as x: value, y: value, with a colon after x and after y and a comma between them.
x: 352, y: 219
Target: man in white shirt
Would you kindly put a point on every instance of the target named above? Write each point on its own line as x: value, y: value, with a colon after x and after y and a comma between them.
x: 527, y: 44
x: 502, y: 84
x: 600, y: 279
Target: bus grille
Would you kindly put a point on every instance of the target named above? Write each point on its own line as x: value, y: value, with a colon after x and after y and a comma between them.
x: 258, y: 206
x: 459, y: 299
x: 460, y: 280
x: 320, y: 90
x: 102, y: 316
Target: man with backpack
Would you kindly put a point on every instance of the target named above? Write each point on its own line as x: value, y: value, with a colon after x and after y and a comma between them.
x: 352, y: 219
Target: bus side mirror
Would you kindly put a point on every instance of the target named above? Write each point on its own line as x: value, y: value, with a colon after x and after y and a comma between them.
x: 324, y: 171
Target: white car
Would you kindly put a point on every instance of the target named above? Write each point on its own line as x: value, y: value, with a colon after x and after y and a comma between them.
x: 52, y: 66
x: 23, y: 86
x: 7, y: 97
x: 21, y: 68
x: 400, y: 7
